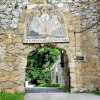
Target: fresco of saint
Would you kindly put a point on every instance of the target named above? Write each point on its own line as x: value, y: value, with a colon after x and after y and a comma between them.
x: 35, y: 24
x: 56, y: 25
x: 44, y: 22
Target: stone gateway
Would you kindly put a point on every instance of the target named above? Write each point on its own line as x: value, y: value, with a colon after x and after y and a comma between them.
x: 69, y: 25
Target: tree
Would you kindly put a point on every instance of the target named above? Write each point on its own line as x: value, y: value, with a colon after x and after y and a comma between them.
x: 39, y: 62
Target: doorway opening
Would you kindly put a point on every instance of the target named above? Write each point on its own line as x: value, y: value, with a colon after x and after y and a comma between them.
x: 46, y: 67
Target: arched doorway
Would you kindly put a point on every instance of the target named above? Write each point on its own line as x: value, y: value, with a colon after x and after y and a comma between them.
x: 48, y: 66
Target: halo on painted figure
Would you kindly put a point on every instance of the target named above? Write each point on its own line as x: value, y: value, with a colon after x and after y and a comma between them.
x: 37, y: 13
x: 44, y: 10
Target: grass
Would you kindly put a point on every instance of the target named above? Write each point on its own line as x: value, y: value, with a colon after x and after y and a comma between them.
x: 97, y: 92
x: 8, y: 96
x: 54, y: 85
x: 63, y: 88
x: 48, y: 85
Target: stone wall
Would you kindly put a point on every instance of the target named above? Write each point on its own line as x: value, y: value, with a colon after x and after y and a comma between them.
x: 89, y: 70
x: 79, y: 15
x: 57, y: 73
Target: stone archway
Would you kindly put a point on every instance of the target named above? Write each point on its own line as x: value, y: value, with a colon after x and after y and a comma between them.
x: 13, y: 53
x: 64, y: 60
x: 18, y: 52
x: 30, y: 43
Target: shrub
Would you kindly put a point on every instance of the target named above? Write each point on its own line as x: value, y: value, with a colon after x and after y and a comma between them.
x: 36, y: 74
x: 49, y: 85
x: 40, y: 82
x: 96, y: 92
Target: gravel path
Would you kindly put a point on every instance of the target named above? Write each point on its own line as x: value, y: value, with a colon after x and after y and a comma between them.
x: 43, y: 90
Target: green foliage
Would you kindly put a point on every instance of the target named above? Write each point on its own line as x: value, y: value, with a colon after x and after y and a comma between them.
x: 40, y: 82
x: 39, y: 62
x: 97, y: 92
x: 49, y: 85
x: 8, y: 96
x: 45, y: 55
x: 38, y: 74
x: 63, y: 88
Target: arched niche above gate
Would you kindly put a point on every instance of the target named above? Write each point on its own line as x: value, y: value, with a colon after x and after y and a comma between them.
x: 44, y: 23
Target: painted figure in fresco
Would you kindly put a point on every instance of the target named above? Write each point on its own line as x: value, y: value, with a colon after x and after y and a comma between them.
x: 41, y: 23
x: 45, y: 22
x: 35, y: 24
x: 56, y: 25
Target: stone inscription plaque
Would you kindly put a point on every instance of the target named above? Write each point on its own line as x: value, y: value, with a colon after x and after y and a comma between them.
x: 46, y: 40
x: 44, y: 24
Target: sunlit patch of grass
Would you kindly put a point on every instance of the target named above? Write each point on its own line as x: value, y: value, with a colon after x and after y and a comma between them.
x: 49, y: 85
x: 8, y: 96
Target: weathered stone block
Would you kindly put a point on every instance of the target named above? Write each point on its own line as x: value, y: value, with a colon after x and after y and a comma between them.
x: 7, y: 41
x: 10, y: 91
x: 10, y: 59
x: 21, y: 28
x: 3, y: 66
x: 73, y: 90
x: 22, y: 62
x: 9, y: 31
x: 9, y: 85
x: 20, y: 89
x: 17, y: 40
x: 72, y: 70
x: 19, y: 46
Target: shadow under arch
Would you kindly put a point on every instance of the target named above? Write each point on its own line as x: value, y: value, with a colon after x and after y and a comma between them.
x: 64, y: 63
